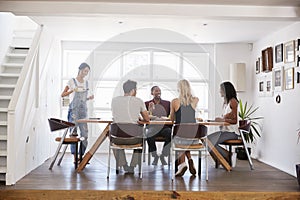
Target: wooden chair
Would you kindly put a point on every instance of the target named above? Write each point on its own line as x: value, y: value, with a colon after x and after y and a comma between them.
x: 240, y: 142
x: 190, y: 131
x: 126, y: 131
x: 58, y: 124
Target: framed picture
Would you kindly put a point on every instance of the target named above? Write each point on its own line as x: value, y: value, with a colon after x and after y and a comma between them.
x: 261, y: 84
x: 279, y: 53
x: 297, y: 75
x: 267, y: 59
x: 257, y: 67
x: 278, y: 78
x: 289, y: 52
x: 268, y: 85
x: 289, y: 78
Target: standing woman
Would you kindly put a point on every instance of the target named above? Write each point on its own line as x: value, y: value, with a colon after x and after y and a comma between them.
x: 230, y: 115
x: 78, y: 90
x: 183, y: 111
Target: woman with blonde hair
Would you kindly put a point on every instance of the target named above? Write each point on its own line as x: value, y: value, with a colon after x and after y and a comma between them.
x: 183, y: 111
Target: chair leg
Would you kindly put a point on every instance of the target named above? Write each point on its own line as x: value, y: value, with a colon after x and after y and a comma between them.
x: 199, y: 163
x: 58, y: 148
x: 76, y: 155
x: 62, y: 155
x: 117, y: 161
x: 140, y: 163
x: 249, y: 158
x: 176, y: 161
x: 230, y: 153
x: 108, y: 166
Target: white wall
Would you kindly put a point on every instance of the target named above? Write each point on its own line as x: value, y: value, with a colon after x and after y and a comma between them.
x: 226, y: 54
x: 277, y: 146
x: 7, y: 23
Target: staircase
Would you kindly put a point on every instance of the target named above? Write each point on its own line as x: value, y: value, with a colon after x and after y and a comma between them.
x: 10, y: 71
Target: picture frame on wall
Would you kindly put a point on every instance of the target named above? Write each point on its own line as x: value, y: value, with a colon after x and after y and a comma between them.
x: 268, y: 85
x: 261, y: 84
x: 279, y: 53
x: 267, y: 59
x: 278, y: 78
x: 289, y: 78
x: 257, y: 67
x: 297, y: 75
x: 289, y: 52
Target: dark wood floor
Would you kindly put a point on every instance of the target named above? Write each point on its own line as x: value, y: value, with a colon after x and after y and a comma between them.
x: 155, y: 178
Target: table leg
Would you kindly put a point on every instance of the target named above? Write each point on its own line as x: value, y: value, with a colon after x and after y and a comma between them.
x: 223, y: 162
x: 90, y: 153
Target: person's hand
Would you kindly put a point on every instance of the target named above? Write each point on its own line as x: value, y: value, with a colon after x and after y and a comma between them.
x: 75, y: 89
x: 91, y: 97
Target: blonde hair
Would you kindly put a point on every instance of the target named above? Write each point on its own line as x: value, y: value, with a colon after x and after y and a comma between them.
x: 185, y: 93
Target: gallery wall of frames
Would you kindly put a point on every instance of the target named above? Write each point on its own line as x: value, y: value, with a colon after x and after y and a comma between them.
x: 277, y: 68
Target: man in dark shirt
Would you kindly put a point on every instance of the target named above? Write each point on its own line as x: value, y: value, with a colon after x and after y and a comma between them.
x: 159, y: 108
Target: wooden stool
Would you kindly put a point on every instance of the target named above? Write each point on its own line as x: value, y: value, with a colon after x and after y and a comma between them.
x: 70, y: 140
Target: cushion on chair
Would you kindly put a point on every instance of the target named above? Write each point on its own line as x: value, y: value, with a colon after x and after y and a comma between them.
x: 192, y: 146
x: 68, y: 140
x: 233, y: 142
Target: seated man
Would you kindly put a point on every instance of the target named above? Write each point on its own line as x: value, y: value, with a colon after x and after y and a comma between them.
x: 160, y: 108
x: 127, y: 109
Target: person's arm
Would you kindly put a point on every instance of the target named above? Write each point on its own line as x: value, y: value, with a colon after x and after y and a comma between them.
x: 66, y: 91
x: 174, y: 106
x: 145, y: 116
x: 232, y: 116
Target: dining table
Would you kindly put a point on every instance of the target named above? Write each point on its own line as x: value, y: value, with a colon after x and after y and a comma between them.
x: 101, y: 138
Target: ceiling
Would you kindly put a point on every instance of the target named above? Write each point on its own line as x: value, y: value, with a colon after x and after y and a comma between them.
x: 203, y: 21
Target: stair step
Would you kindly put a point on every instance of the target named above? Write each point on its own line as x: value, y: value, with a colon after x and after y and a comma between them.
x: 17, y: 55
x: 15, y: 65
x: 21, y: 47
x: 3, y: 109
x: 9, y: 75
x: 3, y: 123
x: 5, y: 97
x: 3, y: 137
x: 7, y: 86
x: 2, y: 169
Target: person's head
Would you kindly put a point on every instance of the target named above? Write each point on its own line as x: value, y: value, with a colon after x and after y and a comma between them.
x: 83, y: 69
x: 129, y: 87
x: 185, y: 92
x: 227, y: 91
x: 156, y: 92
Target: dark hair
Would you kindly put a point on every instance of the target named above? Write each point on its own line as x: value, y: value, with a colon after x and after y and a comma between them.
x: 229, y: 90
x: 83, y: 65
x: 153, y: 88
x: 129, y: 85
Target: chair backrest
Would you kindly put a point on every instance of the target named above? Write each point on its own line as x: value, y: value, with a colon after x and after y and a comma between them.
x: 126, y: 130
x: 58, y: 124
x: 245, y: 127
x: 189, y: 130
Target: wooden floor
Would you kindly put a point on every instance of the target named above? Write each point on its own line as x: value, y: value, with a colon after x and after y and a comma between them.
x: 263, y: 180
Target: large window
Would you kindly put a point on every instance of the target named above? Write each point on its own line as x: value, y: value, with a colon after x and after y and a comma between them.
x: 148, y: 67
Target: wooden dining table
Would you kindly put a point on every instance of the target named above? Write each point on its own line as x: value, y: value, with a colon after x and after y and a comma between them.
x: 101, y: 138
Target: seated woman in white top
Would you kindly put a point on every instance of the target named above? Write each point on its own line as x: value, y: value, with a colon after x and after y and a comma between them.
x: 230, y: 115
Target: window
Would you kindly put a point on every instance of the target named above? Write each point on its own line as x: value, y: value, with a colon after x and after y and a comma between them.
x: 109, y: 69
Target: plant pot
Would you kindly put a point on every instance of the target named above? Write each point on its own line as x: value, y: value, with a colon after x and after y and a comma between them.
x: 242, y: 123
x: 298, y: 173
x: 241, y: 153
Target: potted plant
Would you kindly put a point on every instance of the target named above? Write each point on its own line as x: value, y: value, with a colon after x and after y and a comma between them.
x: 245, y: 115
